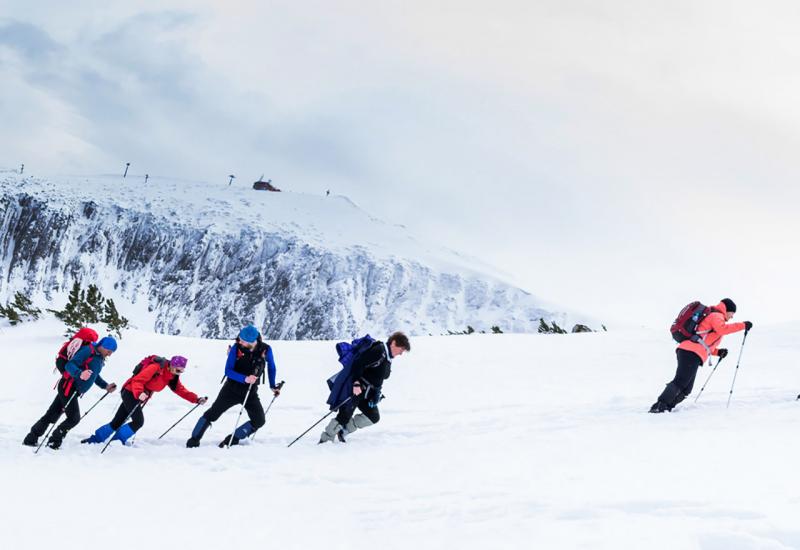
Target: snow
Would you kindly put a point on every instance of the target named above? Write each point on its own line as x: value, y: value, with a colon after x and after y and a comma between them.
x: 486, y: 441
x: 333, y: 222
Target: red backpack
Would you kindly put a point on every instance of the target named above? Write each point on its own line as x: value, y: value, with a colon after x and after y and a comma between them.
x: 685, y: 325
x: 83, y: 337
x: 162, y: 363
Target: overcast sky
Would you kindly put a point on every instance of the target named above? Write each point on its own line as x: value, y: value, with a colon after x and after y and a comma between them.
x: 618, y: 157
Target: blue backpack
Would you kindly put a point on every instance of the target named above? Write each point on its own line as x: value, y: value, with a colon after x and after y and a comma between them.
x: 340, y: 383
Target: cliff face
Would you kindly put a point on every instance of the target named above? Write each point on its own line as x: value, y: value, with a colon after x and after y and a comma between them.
x: 198, y: 275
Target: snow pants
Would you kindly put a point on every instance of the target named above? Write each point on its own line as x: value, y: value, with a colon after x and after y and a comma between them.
x: 681, y: 386
x: 232, y: 393
x: 73, y: 413
x: 129, y: 403
x: 357, y: 402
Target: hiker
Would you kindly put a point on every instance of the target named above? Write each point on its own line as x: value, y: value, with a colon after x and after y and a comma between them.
x: 360, y: 386
x: 694, y: 351
x: 79, y: 374
x: 247, y: 358
x: 151, y: 375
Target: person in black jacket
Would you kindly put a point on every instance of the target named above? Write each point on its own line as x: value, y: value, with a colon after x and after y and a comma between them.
x: 368, y: 372
x: 246, y: 361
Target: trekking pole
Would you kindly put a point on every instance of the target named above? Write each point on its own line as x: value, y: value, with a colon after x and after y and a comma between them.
x: 320, y: 420
x: 130, y: 414
x: 179, y: 421
x: 239, y: 417
x: 278, y: 387
x: 93, y: 406
x: 64, y: 408
x: 709, y: 378
x: 737, y: 368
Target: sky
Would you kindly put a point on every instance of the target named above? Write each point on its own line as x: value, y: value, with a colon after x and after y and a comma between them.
x: 619, y: 158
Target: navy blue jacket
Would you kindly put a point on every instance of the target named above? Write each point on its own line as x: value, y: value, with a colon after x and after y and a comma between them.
x: 75, y: 367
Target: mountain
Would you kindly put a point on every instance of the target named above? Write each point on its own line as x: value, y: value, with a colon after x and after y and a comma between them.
x: 194, y: 258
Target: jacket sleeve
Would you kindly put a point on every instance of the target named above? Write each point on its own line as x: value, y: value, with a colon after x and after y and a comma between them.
x: 722, y: 328
x: 181, y: 390
x: 73, y: 366
x: 271, y: 367
x: 100, y: 382
x: 229, y: 372
x: 144, y: 376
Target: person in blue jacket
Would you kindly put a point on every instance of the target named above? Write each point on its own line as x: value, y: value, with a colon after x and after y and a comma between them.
x: 80, y: 373
x: 247, y: 358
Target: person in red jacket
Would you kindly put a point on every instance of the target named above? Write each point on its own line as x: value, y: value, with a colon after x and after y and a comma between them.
x: 691, y: 355
x: 156, y: 374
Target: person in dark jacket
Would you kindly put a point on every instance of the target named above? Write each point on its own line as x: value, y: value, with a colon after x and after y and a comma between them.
x: 156, y: 374
x: 369, y: 370
x: 80, y: 373
x: 691, y: 355
x: 247, y: 359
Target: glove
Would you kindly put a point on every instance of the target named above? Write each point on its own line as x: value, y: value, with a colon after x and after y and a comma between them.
x: 747, y: 326
x: 143, y: 397
x: 202, y: 400
x: 111, y: 387
x: 375, y: 398
x: 722, y: 353
x: 276, y: 391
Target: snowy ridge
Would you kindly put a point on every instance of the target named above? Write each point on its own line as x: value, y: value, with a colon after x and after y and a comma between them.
x: 193, y: 258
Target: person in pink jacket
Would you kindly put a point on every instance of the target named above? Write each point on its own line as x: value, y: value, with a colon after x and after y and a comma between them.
x: 691, y: 355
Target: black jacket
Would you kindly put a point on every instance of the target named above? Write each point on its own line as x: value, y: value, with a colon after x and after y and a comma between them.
x: 373, y: 366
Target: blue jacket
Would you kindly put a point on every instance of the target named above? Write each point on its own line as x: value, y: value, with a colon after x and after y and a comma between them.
x: 75, y: 367
x: 231, y: 373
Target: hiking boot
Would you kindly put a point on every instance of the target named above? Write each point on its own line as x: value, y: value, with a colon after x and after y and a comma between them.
x: 31, y: 440
x: 224, y: 442
x: 658, y: 407
x: 333, y: 429
x: 54, y: 443
x: 192, y: 443
x: 340, y: 437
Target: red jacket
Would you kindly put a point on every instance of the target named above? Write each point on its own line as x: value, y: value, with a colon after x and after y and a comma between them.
x: 150, y: 380
x: 711, y: 329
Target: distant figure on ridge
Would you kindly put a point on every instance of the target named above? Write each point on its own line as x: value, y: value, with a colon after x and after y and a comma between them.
x: 699, y: 329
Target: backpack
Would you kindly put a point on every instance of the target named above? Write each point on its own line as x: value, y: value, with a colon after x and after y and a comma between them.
x: 83, y: 337
x: 685, y: 325
x: 349, y: 352
x: 339, y: 384
x: 162, y: 363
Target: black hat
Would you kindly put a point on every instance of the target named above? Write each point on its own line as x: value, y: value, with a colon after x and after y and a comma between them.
x: 729, y: 305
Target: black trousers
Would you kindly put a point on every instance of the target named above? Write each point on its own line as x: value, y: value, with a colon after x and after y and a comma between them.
x: 233, y: 393
x: 357, y: 402
x: 129, y: 403
x: 73, y: 413
x: 681, y: 386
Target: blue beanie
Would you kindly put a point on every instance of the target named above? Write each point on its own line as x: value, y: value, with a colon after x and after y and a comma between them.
x: 108, y: 343
x: 248, y: 334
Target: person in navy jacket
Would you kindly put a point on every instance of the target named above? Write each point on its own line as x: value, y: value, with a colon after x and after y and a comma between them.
x: 247, y: 359
x: 80, y: 373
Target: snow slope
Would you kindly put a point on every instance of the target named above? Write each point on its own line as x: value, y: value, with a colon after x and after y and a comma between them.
x: 486, y: 441
x: 197, y: 259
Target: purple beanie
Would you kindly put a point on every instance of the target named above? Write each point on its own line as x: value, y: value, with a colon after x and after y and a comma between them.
x: 178, y: 362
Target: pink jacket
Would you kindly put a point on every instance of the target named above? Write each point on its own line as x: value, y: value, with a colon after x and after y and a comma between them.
x: 711, y: 329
